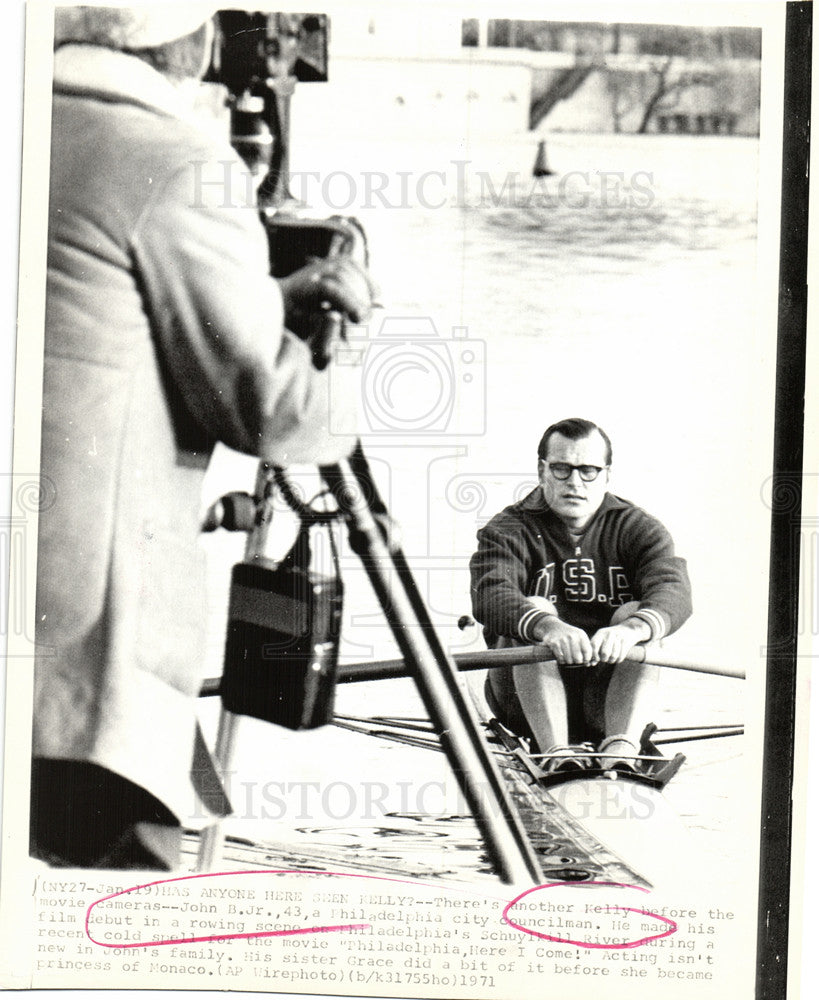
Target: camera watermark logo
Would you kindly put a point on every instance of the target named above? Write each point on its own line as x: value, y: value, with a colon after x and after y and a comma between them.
x: 460, y: 504
x: 413, y: 380
x: 484, y: 494
x: 29, y: 495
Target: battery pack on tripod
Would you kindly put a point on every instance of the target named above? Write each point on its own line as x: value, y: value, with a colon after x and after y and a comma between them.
x: 281, y: 650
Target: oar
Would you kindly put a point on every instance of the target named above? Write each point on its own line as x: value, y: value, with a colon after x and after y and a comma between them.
x: 488, y: 659
x: 738, y: 731
x: 406, y: 725
x: 391, y: 735
x: 691, y: 729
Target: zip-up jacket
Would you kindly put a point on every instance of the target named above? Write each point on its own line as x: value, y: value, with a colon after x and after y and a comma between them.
x: 528, y: 567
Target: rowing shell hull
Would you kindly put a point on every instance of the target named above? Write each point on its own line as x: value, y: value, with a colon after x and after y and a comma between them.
x: 631, y: 821
x: 600, y: 825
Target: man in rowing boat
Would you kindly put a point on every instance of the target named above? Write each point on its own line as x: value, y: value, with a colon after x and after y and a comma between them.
x: 589, y: 575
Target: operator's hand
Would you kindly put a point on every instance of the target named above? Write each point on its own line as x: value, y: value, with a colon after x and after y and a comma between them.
x: 570, y: 646
x: 335, y: 284
x: 614, y: 643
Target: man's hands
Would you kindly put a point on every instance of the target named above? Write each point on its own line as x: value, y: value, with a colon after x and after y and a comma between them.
x: 571, y: 646
x: 337, y: 283
x: 317, y: 294
x: 613, y: 644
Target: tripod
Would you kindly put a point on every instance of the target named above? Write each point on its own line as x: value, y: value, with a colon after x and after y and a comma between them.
x: 433, y: 670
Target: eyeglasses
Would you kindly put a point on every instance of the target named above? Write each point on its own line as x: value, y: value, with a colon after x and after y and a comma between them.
x: 588, y: 473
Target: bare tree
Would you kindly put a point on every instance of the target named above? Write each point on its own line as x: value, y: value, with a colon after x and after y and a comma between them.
x: 668, y: 81
x: 639, y: 84
x: 623, y: 87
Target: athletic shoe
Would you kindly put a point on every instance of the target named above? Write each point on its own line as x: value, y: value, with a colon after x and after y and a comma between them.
x: 617, y: 753
x: 566, y: 758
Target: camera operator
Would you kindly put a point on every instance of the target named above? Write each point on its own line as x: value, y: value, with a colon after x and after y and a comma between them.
x: 164, y: 335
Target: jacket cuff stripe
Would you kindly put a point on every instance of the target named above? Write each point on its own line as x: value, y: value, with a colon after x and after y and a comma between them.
x: 655, y: 621
x: 528, y: 620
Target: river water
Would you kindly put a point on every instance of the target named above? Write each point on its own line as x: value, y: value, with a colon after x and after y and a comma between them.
x: 623, y: 289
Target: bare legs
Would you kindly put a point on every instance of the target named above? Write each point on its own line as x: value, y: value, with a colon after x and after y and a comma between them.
x: 628, y: 703
x: 617, y: 701
x: 542, y: 696
x: 631, y: 700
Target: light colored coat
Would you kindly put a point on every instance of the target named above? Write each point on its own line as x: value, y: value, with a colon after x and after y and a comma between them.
x: 163, y: 336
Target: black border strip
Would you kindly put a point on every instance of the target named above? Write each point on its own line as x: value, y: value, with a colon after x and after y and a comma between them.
x: 786, y: 507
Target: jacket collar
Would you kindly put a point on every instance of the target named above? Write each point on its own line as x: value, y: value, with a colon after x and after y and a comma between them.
x: 109, y: 75
x: 535, y: 501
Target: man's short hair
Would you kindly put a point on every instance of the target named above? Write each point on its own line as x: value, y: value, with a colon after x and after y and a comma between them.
x: 575, y: 429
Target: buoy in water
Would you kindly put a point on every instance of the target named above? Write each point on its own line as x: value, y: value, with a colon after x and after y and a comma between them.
x: 541, y: 167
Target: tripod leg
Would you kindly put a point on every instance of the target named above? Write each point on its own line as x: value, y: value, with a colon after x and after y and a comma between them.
x: 435, y: 675
x: 212, y: 839
x: 213, y: 836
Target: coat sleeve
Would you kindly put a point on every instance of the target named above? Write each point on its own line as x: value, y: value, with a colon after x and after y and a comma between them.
x: 660, y: 578
x: 202, y: 260
x: 500, y: 571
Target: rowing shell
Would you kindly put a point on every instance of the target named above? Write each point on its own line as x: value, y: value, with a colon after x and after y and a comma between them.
x: 602, y: 826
